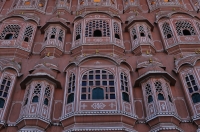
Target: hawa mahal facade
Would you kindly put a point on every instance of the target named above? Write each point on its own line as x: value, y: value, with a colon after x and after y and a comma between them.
x: 99, y: 66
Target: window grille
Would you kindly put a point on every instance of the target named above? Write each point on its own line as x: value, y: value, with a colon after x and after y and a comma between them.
x: 141, y: 30
x: 47, y: 95
x: 124, y: 87
x: 149, y: 93
x: 98, y: 80
x: 116, y: 30
x: 5, y: 86
x: 10, y: 32
x: 167, y: 30
x: 36, y: 93
x: 78, y: 31
x: 192, y: 88
x: 61, y: 34
x: 53, y: 33
x: 28, y: 33
x: 71, y: 88
x: 134, y: 33
x: 184, y: 28
x: 97, y: 25
x: 159, y: 90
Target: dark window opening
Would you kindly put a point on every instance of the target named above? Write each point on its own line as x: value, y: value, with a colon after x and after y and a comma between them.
x: 169, y: 35
x: 97, y: 33
x: 196, y: 97
x: 170, y: 99
x: 125, y: 97
x: 26, y: 101
x: 160, y: 97
x: 135, y: 37
x: 52, y: 36
x: 2, y: 102
x: 46, y: 101
x: 26, y: 39
x: 97, y: 93
x: 186, y: 32
x: 70, y: 98
x: 60, y: 38
x: 45, y: 39
x: 9, y: 36
x: 150, y: 99
x: 142, y: 34
x: 149, y: 36
x: 78, y: 37
x: 117, y: 36
x: 35, y: 99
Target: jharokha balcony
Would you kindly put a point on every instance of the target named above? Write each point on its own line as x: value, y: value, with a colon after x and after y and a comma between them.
x: 98, y: 5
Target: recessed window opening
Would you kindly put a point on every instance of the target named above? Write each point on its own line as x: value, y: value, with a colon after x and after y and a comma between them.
x: 169, y: 35
x: 35, y: 99
x: 26, y: 39
x: 186, y: 32
x: 46, y: 101
x: 52, y: 36
x: 196, y: 97
x: 26, y: 102
x: 97, y: 93
x: 2, y: 102
x: 135, y: 37
x: 142, y: 34
x: 150, y: 99
x: 97, y: 33
x: 60, y: 39
x: 9, y: 36
x: 70, y: 98
x: 78, y: 37
x: 160, y: 97
x: 117, y: 36
x: 125, y: 97
x: 149, y: 36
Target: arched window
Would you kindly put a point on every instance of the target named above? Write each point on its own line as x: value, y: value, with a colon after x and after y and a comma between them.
x: 2, y: 102
x: 10, y: 32
x: 47, y: 95
x: 134, y: 34
x: 78, y: 32
x: 71, y: 88
x: 116, y: 30
x: 196, y: 98
x: 124, y: 87
x: 61, y: 34
x: 46, y: 101
x: 5, y: 86
x: 28, y: 33
x: 184, y: 28
x: 167, y: 30
x: 36, y: 93
x: 53, y: 33
x: 159, y: 90
x: 97, y: 33
x: 97, y: 25
x: 95, y: 81
x: 97, y: 93
x: 70, y: 98
x: 149, y: 93
x: 142, y: 32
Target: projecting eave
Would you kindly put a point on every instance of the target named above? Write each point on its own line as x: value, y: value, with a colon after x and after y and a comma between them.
x: 41, y: 76
x: 154, y: 74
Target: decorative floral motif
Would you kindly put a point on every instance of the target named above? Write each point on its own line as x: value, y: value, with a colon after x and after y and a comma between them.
x: 98, y: 106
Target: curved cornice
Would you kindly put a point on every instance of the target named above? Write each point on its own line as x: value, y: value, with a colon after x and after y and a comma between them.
x: 117, y: 61
x: 187, y: 60
x: 167, y: 14
x: 24, y: 16
x: 10, y: 64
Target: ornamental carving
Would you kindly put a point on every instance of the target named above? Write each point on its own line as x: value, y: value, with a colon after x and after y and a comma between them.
x: 98, y: 106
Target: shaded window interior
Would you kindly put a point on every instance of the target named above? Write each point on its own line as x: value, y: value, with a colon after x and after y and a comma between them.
x: 9, y: 36
x: 196, y: 97
x: 186, y: 32
x: 97, y: 33
x: 52, y: 36
x: 142, y: 34
x: 35, y: 99
x: 135, y: 37
x: 160, y: 97
x: 70, y: 98
x: 150, y: 99
x: 97, y: 93
x: 2, y: 102
x: 60, y: 39
x: 117, y: 36
x: 169, y: 35
x: 78, y: 37
x: 26, y: 39
x: 125, y: 97
x: 46, y: 101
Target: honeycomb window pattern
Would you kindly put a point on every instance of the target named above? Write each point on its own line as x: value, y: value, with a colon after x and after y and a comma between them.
x: 36, y: 93
x: 167, y: 30
x: 61, y: 34
x: 5, y: 86
x: 116, y: 28
x: 141, y: 30
x: 47, y: 95
x: 159, y: 90
x: 28, y: 33
x: 149, y: 93
x: 97, y: 79
x: 71, y: 88
x: 184, y: 25
x: 124, y: 87
x: 101, y: 25
x: 78, y: 30
x: 134, y: 34
x: 13, y: 29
